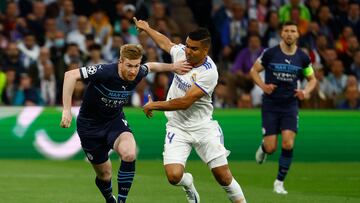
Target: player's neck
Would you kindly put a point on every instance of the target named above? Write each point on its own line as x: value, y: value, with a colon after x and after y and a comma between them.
x: 288, y: 49
x: 199, y: 63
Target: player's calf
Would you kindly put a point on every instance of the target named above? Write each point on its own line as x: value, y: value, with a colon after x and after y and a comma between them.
x: 125, y: 178
x: 234, y: 192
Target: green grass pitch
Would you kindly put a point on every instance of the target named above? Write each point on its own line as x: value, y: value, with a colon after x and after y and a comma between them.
x: 40, y: 181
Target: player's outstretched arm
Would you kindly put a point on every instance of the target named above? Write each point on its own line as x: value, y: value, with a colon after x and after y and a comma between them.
x: 161, y: 40
x: 179, y: 67
x: 181, y: 103
x: 68, y: 88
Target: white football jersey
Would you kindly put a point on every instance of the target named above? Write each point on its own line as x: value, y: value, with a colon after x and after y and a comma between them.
x: 205, y: 77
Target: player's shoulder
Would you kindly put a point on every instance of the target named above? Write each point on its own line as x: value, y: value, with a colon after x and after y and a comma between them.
x: 97, y: 70
x: 302, y: 53
x: 208, y: 65
x: 271, y: 51
x: 177, y: 52
x: 102, y: 67
x: 143, y: 71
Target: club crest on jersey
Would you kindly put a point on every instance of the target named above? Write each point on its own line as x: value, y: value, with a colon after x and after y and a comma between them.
x: 91, y: 70
x: 193, y: 78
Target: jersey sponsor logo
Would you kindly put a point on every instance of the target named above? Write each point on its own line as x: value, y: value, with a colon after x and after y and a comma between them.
x: 119, y: 95
x: 284, y: 72
x: 287, y: 61
x: 91, y: 70
x: 287, y: 77
x: 279, y: 67
x: 181, y: 84
x: 112, y: 98
x: 111, y: 103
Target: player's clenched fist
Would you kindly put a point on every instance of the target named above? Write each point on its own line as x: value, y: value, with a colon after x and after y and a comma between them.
x: 66, y: 119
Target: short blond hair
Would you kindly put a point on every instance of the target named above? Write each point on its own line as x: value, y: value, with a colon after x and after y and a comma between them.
x: 131, y: 51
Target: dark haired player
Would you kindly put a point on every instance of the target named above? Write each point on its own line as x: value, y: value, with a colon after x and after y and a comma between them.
x: 189, y: 112
x: 284, y: 65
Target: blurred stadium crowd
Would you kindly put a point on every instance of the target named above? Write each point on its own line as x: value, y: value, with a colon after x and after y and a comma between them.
x: 40, y: 40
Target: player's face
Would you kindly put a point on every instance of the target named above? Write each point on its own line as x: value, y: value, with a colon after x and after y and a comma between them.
x: 129, y: 68
x: 289, y: 34
x: 195, y: 52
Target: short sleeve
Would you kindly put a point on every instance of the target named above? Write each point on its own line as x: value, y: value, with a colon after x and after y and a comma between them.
x: 93, y: 72
x: 177, y: 52
x: 264, y: 58
x: 207, y: 81
x: 143, y: 71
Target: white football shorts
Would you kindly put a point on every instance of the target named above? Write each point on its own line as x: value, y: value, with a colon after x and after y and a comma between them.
x: 208, y: 143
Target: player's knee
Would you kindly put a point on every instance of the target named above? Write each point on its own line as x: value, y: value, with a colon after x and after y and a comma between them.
x: 128, y: 156
x: 270, y: 148
x: 174, y: 177
x: 222, y: 175
x: 287, y: 144
x: 224, y: 180
x: 104, y: 175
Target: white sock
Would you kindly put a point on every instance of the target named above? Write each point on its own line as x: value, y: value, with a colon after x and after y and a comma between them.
x: 234, y: 191
x: 186, y: 180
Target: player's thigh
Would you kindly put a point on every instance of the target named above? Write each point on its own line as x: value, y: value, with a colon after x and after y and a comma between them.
x: 270, y: 122
x: 119, y: 132
x: 177, y: 146
x: 94, y: 146
x: 290, y: 121
x: 125, y: 146
x: 211, y: 145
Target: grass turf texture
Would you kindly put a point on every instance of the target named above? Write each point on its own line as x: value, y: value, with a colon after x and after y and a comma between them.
x: 43, y: 181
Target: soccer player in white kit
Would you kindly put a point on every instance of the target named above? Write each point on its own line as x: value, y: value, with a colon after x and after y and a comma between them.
x: 189, y: 109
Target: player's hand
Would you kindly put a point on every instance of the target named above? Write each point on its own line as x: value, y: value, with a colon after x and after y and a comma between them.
x: 66, y: 119
x: 141, y: 24
x: 147, y: 108
x: 269, y: 88
x: 301, y: 94
x: 182, y: 67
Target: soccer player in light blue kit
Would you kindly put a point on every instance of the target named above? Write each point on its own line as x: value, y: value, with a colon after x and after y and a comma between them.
x: 101, y: 123
x: 189, y: 112
x: 284, y: 65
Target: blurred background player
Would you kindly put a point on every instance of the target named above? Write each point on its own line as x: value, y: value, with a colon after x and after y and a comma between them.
x: 284, y: 65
